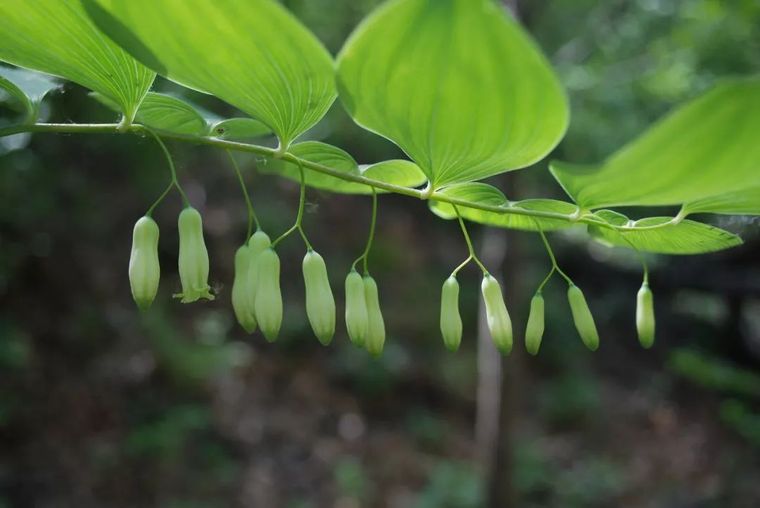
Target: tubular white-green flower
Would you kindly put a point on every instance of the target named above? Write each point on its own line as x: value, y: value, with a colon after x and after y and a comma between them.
x: 584, y: 321
x: 242, y: 303
x: 534, y: 331
x: 320, y: 303
x: 645, y: 323
x: 268, y: 304
x: 356, y: 309
x: 451, y: 321
x: 499, y: 322
x: 193, y: 257
x: 258, y: 243
x: 144, y: 269
x: 375, y: 324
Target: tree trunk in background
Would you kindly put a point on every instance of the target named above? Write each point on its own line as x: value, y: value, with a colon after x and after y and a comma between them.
x: 496, y: 377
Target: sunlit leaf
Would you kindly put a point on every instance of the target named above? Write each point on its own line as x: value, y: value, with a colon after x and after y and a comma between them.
x: 679, y: 237
x: 396, y: 172
x: 57, y: 37
x: 239, y: 129
x: 167, y: 113
x: 253, y: 54
x: 743, y: 202
x: 487, y: 195
x: 457, y: 84
x: 704, y: 149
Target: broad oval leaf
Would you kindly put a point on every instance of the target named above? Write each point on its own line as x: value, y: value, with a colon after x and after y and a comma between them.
x: 166, y: 113
x: 484, y: 194
x: 457, y: 84
x: 396, y: 172
x: 743, y: 202
x: 706, y: 148
x: 681, y: 237
x: 239, y: 129
x: 27, y: 88
x: 254, y: 55
x: 57, y: 37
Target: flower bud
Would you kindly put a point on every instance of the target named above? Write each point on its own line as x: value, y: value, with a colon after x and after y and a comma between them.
x: 144, y: 270
x: 534, y: 332
x: 499, y: 323
x: 375, y: 325
x: 320, y: 303
x: 584, y: 321
x: 242, y: 303
x: 258, y: 243
x: 356, y: 309
x: 193, y: 257
x: 645, y: 316
x: 451, y: 322
x: 268, y: 303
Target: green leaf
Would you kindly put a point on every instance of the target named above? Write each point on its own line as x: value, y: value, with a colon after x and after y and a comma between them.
x: 28, y: 88
x: 704, y: 149
x: 743, y: 202
x: 166, y: 113
x: 239, y: 129
x: 396, y: 172
x: 254, y: 55
x: 487, y: 195
x: 457, y: 84
x: 673, y: 237
x: 58, y: 38
x: 171, y: 114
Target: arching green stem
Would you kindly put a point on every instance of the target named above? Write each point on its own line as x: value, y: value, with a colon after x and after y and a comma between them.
x: 555, y: 266
x: 172, y: 169
x: 425, y: 194
x: 364, y: 258
x: 470, y: 248
x: 252, y: 218
x: 462, y: 265
x: 299, y: 217
x: 546, y: 279
x: 158, y: 201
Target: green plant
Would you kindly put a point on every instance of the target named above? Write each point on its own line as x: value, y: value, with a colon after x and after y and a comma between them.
x: 375, y: 322
x: 451, y: 321
x: 645, y: 316
x: 456, y: 84
x: 499, y: 322
x: 193, y: 257
x: 320, y: 303
x: 534, y: 331
x: 584, y: 321
x: 144, y: 269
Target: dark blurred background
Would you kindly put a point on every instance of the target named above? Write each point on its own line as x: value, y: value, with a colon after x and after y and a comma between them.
x: 101, y: 406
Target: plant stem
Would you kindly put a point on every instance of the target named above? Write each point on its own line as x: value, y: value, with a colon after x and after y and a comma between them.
x: 172, y: 169
x: 467, y: 239
x: 425, y: 194
x: 365, y: 255
x: 169, y: 187
x: 299, y: 217
x: 548, y: 276
x: 555, y: 266
x: 461, y: 265
x: 252, y: 218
